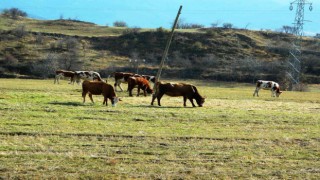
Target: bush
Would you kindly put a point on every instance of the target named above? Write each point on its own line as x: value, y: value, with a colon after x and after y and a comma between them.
x: 14, y: 13
x: 227, y: 25
x: 300, y: 87
x: 120, y: 24
x: 20, y: 31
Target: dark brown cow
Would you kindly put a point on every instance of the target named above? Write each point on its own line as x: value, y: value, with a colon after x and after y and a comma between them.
x: 98, y: 88
x: 141, y: 83
x: 188, y: 91
x: 63, y: 73
x: 121, y: 77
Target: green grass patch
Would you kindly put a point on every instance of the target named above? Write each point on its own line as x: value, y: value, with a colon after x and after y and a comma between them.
x: 47, y: 132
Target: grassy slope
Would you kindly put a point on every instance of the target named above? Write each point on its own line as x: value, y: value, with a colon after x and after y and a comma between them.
x: 99, y: 53
x: 60, y: 27
x: 47, y: 132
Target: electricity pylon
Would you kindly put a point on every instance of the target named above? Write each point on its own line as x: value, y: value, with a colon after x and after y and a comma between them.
x: 294, y: 62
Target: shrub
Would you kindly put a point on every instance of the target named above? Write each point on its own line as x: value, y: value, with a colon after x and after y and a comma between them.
x: 14, y: 13
x: 20, y: 31
x: 120, y: 24
x: 227, y: 25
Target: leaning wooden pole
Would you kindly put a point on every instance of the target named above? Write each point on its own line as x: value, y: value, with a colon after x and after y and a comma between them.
x: 165, y: 53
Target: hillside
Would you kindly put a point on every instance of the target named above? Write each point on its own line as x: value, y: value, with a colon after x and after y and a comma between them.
x: 34, y: 48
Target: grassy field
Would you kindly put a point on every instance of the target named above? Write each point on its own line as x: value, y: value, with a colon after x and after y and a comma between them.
x: 47, y: 132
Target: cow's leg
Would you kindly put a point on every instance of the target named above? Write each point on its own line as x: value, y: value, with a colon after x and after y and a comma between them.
x: 106, y: 101
x: 138, y: 91
x: 256, y: 92
x: 78, y: 80
x: 84, y: 93
x: 159, y: 98
x: 130, y: 91
x: 191, y: 100
x: 272, y: 93
x: 184, y: 101
x: 90, y: 95
x: 154, y: 96
x: 71, y: 80
x: 119, y: 84
x: 55, y: 80
x: 145, y: 92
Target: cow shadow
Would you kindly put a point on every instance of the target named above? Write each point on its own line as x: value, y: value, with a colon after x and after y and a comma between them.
x: 163, y: 107
x: 67, y: 103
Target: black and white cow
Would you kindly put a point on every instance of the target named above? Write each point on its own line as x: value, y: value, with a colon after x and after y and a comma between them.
x: 87, y: 75
x: 268, y: 85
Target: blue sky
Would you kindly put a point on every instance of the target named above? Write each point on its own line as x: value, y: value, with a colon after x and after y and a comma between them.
x: 255, y: 14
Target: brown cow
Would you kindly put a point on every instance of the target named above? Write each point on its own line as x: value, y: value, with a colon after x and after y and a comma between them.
x: 121, y: 77
x: 63, y: 73
x: 98, y: 88
x: 141, y: 83
x: 178, y: 89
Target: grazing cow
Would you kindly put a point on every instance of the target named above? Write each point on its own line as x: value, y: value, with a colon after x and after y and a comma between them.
x: 141, y: 83
x: 178, y: 89
x: 273, y: 86
x: 86, y: 75
x: 98, y: 88
x: 121, y: 77
x: 63, y: 73
x: 149, y: 78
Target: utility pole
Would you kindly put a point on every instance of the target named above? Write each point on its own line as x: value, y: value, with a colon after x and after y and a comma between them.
x: 294, y: 62
x: 165, y: 53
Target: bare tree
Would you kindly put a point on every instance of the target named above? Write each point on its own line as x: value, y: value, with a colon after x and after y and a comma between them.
x: 46, y: 67
x: 70, y: 60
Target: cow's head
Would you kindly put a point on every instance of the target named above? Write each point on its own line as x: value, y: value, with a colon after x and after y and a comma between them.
x: 200, y: 101
x: 149, y: 90
x: 278, y: 93
x: 115, y: 100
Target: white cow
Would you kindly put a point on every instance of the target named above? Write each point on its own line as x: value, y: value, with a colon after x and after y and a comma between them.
x: 273, y: 86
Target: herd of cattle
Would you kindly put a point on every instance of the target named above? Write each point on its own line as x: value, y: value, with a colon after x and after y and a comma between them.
x: 93, y: 84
